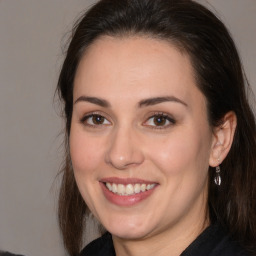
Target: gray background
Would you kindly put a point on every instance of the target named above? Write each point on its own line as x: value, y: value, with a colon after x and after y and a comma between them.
x: 31, y: 36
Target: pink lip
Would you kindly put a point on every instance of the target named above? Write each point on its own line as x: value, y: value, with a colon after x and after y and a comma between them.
x: 125, y: 200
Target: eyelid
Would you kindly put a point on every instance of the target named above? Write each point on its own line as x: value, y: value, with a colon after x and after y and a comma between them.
x: 168, y: 117
x: 86, y: 116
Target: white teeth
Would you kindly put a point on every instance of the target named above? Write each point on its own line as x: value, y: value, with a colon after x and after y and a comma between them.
x: 129, y: 189
x: 143, y: 187
x: 114, y: 188
x: 120, y: 189
x: 150, y: 186
x: 137, y: 188
x: 109, y: 186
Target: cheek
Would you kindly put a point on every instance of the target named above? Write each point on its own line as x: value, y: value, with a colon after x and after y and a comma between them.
x: 86, y: 157
x: 86, y: 152
x: 182, y: 152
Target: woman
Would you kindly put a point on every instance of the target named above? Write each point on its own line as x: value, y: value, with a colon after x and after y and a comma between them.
x: 160, y: 137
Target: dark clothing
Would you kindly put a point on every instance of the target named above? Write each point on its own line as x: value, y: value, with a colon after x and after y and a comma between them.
x: 212, y: 242
x: 2, y: 253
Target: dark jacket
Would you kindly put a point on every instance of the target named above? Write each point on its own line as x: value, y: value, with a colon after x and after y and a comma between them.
x: 214, y: 241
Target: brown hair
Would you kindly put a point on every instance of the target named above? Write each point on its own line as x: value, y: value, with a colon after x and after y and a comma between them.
x: 218, y: 70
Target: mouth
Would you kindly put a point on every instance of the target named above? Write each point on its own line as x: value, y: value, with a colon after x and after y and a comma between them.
x: 128, y: 189
x: 127, y: 192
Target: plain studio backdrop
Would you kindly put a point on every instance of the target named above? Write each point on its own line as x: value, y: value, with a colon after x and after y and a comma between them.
x: 32, y: 34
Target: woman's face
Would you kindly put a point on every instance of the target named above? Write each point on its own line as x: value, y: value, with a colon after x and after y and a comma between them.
x: 140, y: 141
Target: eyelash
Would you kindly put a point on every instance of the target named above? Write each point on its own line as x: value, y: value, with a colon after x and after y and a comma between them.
x: 165, y: 117
x: 84, y: 120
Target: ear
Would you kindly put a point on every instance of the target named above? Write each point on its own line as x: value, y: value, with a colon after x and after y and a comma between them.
x: 222, y: 139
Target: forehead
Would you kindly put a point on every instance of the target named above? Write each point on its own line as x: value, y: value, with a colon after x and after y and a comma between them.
x: 123, y: 66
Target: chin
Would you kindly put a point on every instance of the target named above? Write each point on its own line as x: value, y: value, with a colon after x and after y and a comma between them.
x: 128, y: 230
x: 129, y: 234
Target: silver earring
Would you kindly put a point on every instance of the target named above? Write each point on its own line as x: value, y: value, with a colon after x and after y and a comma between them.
x: 217, y: 178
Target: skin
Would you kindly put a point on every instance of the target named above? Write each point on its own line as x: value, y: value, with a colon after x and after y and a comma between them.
x: 128, y: 144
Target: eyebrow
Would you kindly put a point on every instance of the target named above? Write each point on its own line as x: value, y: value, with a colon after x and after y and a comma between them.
x: 94, y: 100
x: 158, y: 100
x: 142, y: 103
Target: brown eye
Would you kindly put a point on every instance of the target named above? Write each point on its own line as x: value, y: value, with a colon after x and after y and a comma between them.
x: 160, y: 120
x: 97, y: 119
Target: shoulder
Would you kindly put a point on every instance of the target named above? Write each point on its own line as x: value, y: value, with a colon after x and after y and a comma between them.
x: 102, y: 246
x: 215, y: 241
x: 229, y: 248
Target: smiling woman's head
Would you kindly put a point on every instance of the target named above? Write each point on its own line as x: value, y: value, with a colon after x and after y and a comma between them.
x: 155, y: 86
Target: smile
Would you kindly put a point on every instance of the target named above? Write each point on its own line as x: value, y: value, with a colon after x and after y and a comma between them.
x: 127, y: 192
x: 129, y: 189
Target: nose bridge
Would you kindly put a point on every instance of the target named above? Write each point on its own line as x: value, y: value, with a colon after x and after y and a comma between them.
x: 123, y: 150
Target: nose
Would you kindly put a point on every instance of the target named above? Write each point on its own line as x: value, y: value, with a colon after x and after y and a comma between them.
x: 124, y: 150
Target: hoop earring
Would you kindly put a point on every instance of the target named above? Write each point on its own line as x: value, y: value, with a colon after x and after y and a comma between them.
x: 217, y: 178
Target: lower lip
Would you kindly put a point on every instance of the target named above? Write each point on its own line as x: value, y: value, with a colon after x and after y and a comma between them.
x: 125, y: 200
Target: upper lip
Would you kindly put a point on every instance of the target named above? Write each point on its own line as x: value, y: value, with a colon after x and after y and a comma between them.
x: 126, y: 181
